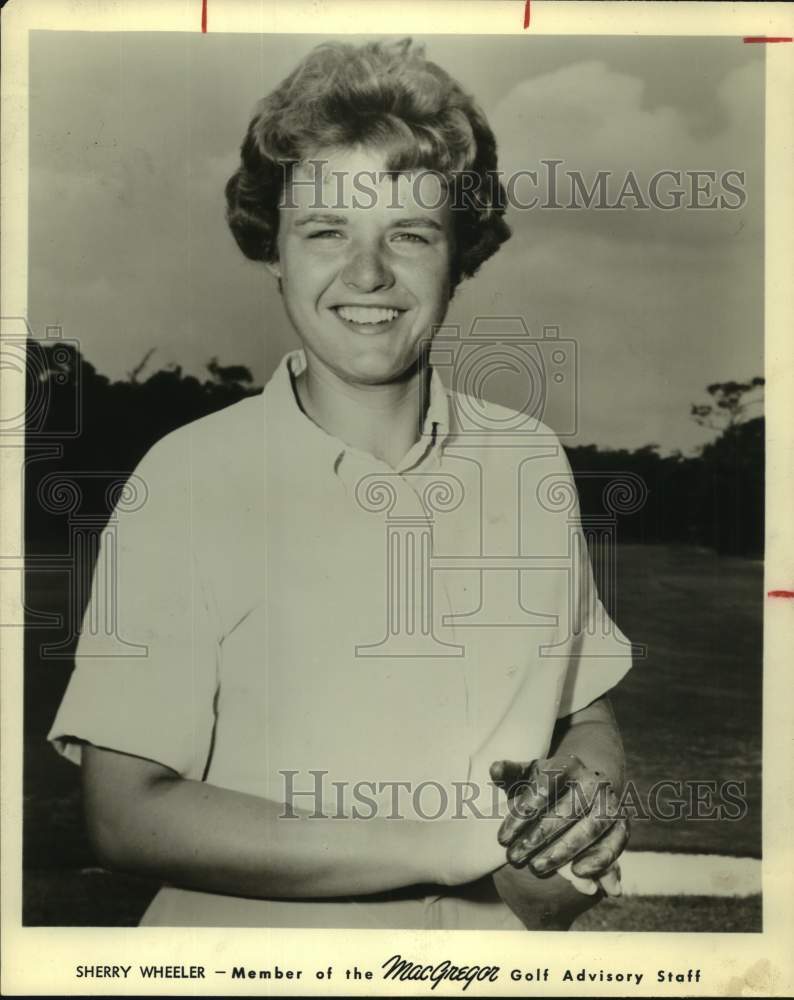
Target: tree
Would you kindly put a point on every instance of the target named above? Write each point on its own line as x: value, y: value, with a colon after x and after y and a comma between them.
x: 731, y: 403
x: 106, y: 425
x: 732, y: 468
x: 229, y: 374
x: 136, y: 371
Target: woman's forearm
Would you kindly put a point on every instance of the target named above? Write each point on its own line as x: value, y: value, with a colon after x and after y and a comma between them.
x: 593, y: 736
x: 146, y: 819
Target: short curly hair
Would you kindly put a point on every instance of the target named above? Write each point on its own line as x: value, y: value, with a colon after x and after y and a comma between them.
x: 380, y: 94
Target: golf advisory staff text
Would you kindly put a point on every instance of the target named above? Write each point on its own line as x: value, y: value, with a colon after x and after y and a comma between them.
x: 395, y: 968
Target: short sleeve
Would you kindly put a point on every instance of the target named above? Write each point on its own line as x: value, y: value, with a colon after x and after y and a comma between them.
x: 145, y: 675
x: 599, y: 654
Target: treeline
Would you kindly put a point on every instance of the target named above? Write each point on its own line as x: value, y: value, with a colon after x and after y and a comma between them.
x: 714, y: 499
x: 101, y: 429
x: 83, y: 426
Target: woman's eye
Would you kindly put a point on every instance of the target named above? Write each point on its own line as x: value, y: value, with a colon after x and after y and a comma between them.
x: 410, y: 238
x: 325, y: 234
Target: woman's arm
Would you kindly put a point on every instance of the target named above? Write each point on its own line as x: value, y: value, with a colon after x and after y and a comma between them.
x: 592, y: 735
x: 143, y: 817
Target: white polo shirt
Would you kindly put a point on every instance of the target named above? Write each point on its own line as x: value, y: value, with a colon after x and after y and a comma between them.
x: 295, y: 616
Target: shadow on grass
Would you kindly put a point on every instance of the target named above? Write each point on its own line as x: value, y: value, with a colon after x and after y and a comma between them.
x: 92, y: 898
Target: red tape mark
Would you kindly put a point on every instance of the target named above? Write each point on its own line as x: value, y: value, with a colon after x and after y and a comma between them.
x: 781, y: 593
x: 762, y: 39
x: 527, y: 13
x: 204, y: 16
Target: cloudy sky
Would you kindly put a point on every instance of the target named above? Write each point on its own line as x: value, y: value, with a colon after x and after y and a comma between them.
x: 134, y: 135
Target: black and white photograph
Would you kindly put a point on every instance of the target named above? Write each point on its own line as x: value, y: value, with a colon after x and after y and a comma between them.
x: 393, y: 499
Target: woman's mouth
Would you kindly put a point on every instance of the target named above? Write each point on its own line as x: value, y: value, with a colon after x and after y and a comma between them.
x: 368, y: 318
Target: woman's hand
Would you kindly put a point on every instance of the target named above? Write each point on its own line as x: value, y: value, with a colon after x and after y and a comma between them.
x: 561, y: 811
x: 548, y: 903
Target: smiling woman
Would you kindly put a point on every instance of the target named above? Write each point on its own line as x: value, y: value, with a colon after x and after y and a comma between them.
x: 288, y: 632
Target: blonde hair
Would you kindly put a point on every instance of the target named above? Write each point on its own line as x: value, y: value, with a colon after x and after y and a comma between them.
x: 381, y: 94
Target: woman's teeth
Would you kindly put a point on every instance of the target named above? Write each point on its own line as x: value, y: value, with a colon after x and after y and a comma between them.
x: 367, y: 314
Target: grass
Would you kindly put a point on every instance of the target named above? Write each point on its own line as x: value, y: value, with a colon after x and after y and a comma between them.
x: 675, y: 914
x: 691, y: 709
x: 91, y: 897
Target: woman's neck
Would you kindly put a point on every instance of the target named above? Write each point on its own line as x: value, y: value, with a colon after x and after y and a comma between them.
x: 383, y: 420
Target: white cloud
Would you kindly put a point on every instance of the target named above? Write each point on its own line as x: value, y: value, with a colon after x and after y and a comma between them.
x: 595, y: 119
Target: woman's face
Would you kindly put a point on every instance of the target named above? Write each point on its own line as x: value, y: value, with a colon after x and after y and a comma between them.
x: 364, y: 262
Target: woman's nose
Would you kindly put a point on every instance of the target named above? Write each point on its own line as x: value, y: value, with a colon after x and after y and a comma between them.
x: 367, y: 271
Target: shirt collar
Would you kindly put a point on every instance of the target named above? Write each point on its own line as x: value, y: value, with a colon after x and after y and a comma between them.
x: 294, y: 431
x: 299, y: 432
